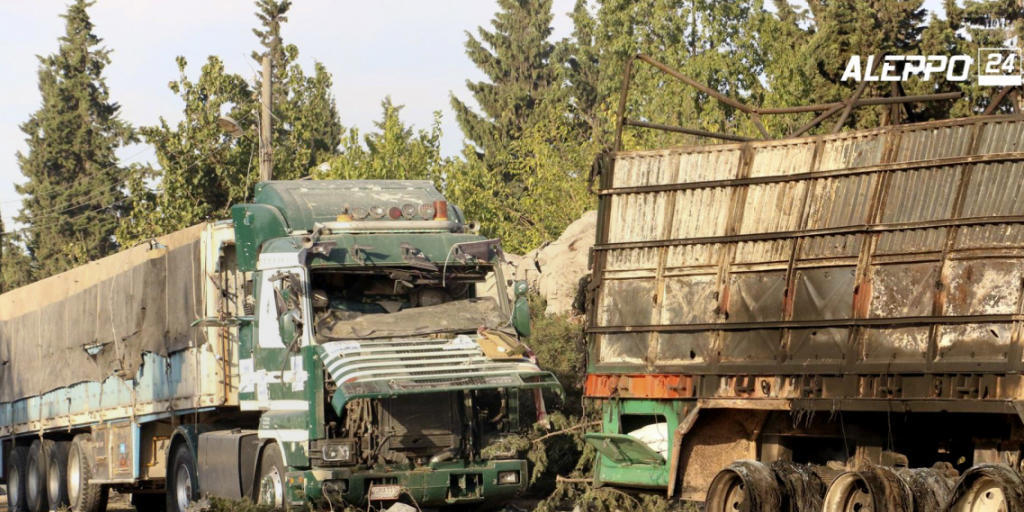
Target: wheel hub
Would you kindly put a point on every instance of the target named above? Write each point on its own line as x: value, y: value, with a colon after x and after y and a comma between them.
x: 32, y: 482
x: 14, y: 487
x: 183, y: 487
x: 74, y: 477
x: 53, y: 480
x: 272, y: 489
x: 988, y: 496
x: 858, y: 499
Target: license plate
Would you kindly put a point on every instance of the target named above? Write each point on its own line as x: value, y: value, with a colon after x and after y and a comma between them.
x: 388, y: 492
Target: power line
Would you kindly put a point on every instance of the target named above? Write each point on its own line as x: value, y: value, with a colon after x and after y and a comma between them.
x: 31, y: 227
x: 128, y: 160
x: 51, y: 213
x: 95, y: 194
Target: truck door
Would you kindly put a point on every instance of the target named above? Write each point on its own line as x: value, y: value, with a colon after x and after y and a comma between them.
x: 274, y: 377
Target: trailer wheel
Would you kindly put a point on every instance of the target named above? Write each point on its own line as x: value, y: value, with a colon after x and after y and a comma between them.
x: 35, y: 475
x: 801, y: 488
x: 182, y: 479
x: 16, y: 465
x: 744, y: 485
x: 83, y: 496
x: 988, y: 488
x: 56, y: 475
x: 271, y: 483
x: 875, y: 489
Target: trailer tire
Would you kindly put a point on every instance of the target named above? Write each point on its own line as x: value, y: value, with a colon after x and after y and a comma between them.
x: 182, y: 479
x: 57, y: 475
x: 35, y: 475
x: 988, y: 487
x: 16, y: 467
x: 271, y: 490
x: 83, y: 496
x: 745, y: 485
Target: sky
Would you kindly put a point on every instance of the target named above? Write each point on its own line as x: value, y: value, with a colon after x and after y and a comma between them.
x: 411, y: 50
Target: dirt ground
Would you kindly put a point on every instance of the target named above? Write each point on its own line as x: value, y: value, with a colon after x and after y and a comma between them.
x: 117, y: 502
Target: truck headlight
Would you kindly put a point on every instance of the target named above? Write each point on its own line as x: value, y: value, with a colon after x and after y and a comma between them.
x: 337, y: 452
x: 508, y: 477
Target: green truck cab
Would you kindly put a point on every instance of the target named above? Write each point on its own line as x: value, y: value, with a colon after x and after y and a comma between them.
x: 380, y: 348
x: 335, y: 341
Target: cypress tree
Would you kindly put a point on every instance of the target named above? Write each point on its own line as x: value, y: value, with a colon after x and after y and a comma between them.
x: 306, y: 126
x: 523, y: 175
x: 516, y: 58
x: 73, y: 200
x: 15, y: 267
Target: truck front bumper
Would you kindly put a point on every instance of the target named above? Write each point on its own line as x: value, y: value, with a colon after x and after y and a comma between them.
x: 445, y: 484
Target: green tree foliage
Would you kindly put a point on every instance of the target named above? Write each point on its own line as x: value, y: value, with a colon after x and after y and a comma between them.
x: 542, y: 190
x: 516, y: 58
x: 971, y: 25
x: 715, y: 43
x: 72, y: 197
x: 202, y: 171
x: 15, y: 265
x: 394, y: 151
x: 306, y: 126
x: 523, y: 173
x: 810, y: 50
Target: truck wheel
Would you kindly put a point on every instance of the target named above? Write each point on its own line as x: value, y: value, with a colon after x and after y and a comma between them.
x: 56, y: 475
x: 988, y: 488
x: 745, y: 485
x: 35, y: 475
x: 271, y: 490
x: 182, y: 480
x: 16, y: 464
x: 83, y: 496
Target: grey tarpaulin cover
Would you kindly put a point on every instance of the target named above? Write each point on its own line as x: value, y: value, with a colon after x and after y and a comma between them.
x: 455, y: 316
x: 139, y: 300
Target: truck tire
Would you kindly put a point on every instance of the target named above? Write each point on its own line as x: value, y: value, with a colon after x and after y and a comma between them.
x: 271, y: 483
x: 182, y: 479
x: 83, y: 496
x: 57, y: 475
x: 35, y: 475
x: 16, y: 466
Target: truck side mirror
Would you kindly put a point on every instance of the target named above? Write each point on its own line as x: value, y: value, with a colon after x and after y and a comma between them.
x: 521, y: 309
x: 289, y: 325
x: 287, y: 298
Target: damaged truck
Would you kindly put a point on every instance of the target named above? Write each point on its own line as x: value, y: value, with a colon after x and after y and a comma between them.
x: 334, y: 342
x: 814, y: 323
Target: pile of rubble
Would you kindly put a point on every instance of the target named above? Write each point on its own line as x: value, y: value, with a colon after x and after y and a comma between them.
x: 554, y: 269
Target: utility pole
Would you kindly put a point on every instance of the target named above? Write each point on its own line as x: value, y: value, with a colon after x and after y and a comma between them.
x: 3, y: 283
x: 266, y: 150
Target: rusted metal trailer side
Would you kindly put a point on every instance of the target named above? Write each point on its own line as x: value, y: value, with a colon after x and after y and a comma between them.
x: 797, y: 299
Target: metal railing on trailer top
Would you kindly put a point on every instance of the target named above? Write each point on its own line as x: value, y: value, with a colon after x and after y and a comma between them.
x: 827, y: 110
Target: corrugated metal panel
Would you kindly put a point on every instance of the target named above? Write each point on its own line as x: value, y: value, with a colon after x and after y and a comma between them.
x: 930, y: 142
x: 782, y: 159
x: 895, y: 245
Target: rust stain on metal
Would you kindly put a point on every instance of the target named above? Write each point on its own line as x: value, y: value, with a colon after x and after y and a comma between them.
x: 840, y: 254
